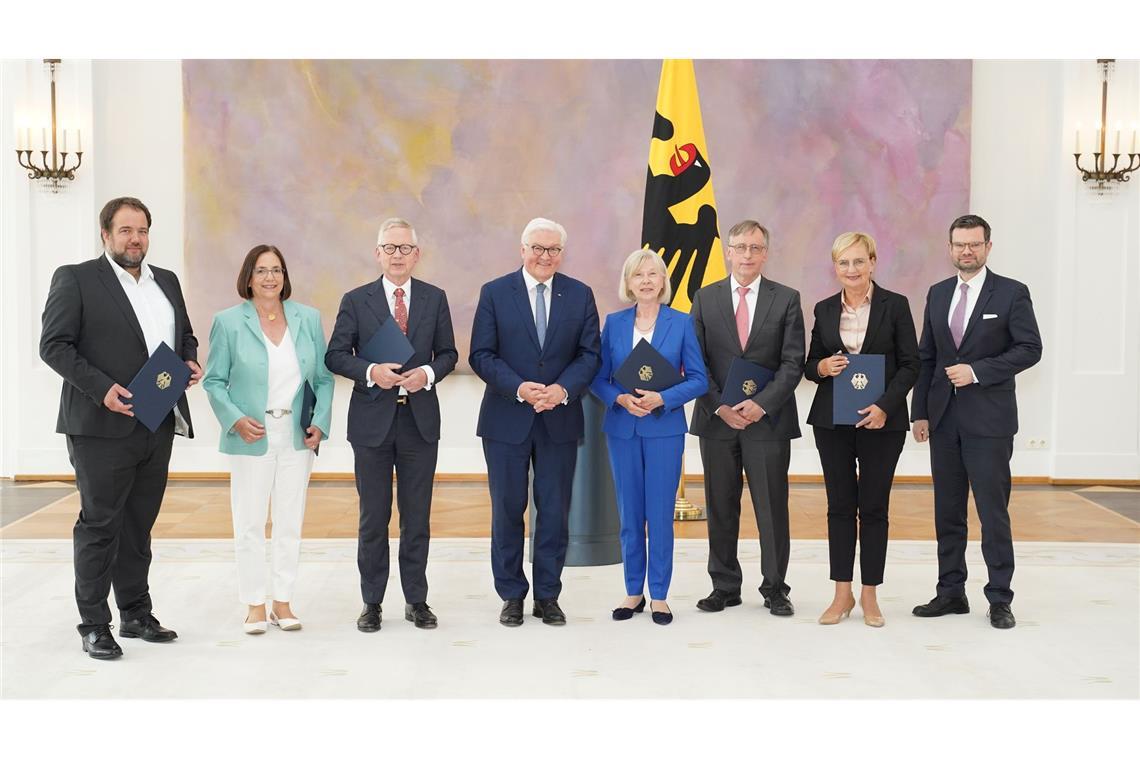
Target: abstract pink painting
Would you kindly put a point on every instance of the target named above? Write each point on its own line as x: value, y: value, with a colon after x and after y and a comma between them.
x: 312, y: 155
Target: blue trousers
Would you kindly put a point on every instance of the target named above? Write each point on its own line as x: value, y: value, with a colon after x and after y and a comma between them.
x: 646, y: 472
x: 508, y: 470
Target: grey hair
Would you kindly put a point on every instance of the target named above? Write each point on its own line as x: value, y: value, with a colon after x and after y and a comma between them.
x: 537, y: 224
x: 396, y: 221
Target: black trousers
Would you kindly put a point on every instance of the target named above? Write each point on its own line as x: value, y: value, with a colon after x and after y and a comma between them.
x: 858, y: 469
x: 960, y: 462
x: 414, y: 460
x: 121, y: 483
x: 766, y: 464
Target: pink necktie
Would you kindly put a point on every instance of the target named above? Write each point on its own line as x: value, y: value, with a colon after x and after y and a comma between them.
x: 742, y: 317
x: 401, y: 311
x: 958, y: 318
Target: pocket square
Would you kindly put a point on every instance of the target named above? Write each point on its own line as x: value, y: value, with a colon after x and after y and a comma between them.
x: 989, y: 316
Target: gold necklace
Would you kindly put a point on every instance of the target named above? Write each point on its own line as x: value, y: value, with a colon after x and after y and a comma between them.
x: 271, y: 316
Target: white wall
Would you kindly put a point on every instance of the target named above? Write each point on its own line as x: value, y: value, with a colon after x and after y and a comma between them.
x: 1079, y: 253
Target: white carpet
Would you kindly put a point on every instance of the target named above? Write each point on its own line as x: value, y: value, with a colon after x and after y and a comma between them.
x: 1077, y: 636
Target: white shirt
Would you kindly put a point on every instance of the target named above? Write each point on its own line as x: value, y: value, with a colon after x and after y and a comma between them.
x: 638, y: 335
x: 390, y: 295
x: 532, y: 296
x: 284, y: 372
x: 973, y: 290
x: 750, y: 297
x: 154, y: 312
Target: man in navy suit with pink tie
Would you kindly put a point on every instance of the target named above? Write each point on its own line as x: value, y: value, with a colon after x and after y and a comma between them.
x: 978, y: 332
x: 535, y: 343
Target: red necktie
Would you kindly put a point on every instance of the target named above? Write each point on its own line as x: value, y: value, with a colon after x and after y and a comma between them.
x: 401, y: 311
x: 742, y: 317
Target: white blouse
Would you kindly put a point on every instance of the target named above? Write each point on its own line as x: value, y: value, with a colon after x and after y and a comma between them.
x: 284, y: 372
x: 638, y: 335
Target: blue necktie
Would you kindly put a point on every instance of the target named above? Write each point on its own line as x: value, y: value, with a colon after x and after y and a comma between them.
x: 540, y: 314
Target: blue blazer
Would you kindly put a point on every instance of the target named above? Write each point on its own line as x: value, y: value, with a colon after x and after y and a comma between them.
x: 676, y: 340
x: 237, y: 373
x: 505, y: 353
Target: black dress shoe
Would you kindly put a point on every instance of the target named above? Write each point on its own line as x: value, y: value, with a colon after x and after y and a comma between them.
x: 1001, y: 616
x: 146, y: 628
x: 718, y: 600
x: 625, y: 613
x: 512, y: 614
x: 549, y: 611
x: 779, y: 604
x: 943, y: 605
x: 101, y: 645
x: 370, y: 617
x: 420, y: 614
x: 662, y: 618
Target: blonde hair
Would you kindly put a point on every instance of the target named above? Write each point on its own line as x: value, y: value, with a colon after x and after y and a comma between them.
x: 848, y: 239
x: 633, y: 262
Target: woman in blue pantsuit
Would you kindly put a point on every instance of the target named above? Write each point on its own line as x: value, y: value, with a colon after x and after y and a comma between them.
x: 646, y: 430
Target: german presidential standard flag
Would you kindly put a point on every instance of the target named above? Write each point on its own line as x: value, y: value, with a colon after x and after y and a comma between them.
x: 680, y: 212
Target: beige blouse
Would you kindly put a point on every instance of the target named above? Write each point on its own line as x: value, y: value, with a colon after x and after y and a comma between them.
x: 853, y: 321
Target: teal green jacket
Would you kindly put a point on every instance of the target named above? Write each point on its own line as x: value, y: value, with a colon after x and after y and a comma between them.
x: 237, y: 373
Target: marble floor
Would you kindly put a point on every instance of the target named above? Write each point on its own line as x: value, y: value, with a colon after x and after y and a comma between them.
x: 1078, y: 632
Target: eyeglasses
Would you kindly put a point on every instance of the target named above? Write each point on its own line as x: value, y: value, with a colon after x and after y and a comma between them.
x: 741, y: 248
x: 974, y: 247
x: 856, y: 264
x: 265, y: 272
x: 405, y: 249
x: 539, y: 250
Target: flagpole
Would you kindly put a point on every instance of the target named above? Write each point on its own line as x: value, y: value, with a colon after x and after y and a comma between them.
x: 683, y: 509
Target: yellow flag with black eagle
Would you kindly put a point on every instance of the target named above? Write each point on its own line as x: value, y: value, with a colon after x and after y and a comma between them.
x: 680, y: 221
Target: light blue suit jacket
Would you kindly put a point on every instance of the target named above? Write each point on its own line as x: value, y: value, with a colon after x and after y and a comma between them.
x: 676, y: 340
x: 237, y: 373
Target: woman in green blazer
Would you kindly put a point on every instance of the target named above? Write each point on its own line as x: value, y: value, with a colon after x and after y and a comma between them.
x: 263, y: 352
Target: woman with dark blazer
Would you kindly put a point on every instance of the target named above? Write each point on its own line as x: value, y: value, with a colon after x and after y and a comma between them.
x: 862, y: 318
x: 645, y: 430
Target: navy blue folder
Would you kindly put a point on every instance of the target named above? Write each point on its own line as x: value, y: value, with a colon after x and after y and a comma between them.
x: 308, y: 404
x: 157, y: 387
x: 647, y: 369
x: 388, y: 344
x: 859, y: 385
x: 744, y: 380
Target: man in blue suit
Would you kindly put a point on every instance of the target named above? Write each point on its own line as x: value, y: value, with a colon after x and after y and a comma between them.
x: 978, y: 332
x: 535, y: 344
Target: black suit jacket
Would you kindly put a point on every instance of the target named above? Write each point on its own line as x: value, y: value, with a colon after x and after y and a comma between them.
x: 93, y: 339
x: 776, y: 341
x: 362, y: 311
x: 890, y: 331
x: 1001, y: 340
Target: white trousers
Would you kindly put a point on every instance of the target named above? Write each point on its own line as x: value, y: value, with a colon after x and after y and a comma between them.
x: 283, y: 475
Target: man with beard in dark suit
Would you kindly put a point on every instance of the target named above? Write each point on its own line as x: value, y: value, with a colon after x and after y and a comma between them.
x: 102, y: 320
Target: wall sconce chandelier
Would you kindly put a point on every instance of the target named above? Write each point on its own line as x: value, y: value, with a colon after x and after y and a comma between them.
x: 54, y: 172
x: 1099, y: 173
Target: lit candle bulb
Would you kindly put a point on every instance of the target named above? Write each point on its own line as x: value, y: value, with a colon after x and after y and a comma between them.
x: 19, y: 139
x: 1096, y: 145
x: 1117, y: 148
x: 43, y: 138
x: 1133, y: 138
x: 78, y: 141
x: 1078, y: 148
x: 65, y: 141
x: 27, y: 138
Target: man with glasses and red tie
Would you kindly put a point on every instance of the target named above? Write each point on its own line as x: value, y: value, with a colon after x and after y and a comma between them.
x: 978, y: 332
x: 535, y: 343
x: 399, y: 427
x: 749, y: 316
